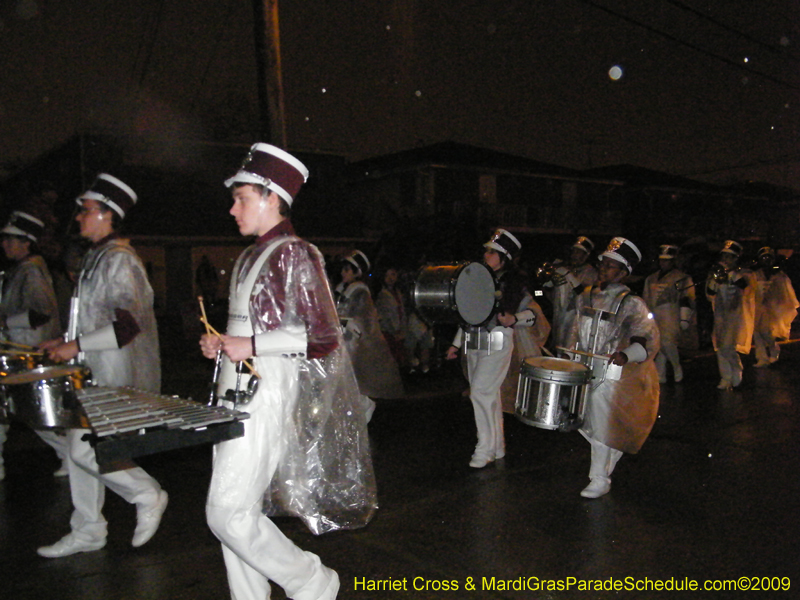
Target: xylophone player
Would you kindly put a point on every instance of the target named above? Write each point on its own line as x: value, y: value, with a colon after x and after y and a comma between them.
x: 305, y: 444
x: 112, y: 330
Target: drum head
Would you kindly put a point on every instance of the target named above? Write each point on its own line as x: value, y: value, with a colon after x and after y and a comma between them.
x: 41, y: 374
x: 554, y: 364
x: 475, y: 294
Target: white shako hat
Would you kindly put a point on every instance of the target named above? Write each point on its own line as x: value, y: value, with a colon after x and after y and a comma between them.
x: 668, y: 251
x: 504, y: 242
x: 23, y: 225
x: 359, y: 261
x: 765, y: 251
x: 732, y: 247
x: 112, y: 192
x: 624, y: 251
x: 275, y: 169
x: 584, y: 244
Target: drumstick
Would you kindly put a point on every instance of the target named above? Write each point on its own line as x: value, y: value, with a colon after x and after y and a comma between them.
x: 23, y: 346
x: 24, y: 353
x: 603, y: 356
x: 213, y: 331
x: 203, y: 312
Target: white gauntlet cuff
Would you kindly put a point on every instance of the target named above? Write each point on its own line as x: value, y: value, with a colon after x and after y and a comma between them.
x: 457, y: 341
x: 525, y: 318
x: 282, y: 342
x: 104, y: 338
x: 635, y: 353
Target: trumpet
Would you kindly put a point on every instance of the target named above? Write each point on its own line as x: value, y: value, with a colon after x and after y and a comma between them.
x: 717, y: 272
x: 547, y: 273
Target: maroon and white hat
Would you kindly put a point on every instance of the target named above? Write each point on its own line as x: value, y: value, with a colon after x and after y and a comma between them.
x: 624, y: 251
x: 584, y: 244
x: 275, y: 169
x: 112, y: 192
x: 23, y: 225
x: 505, y: 243
x: 732, y: 247
x: 668, y: 251
x: 359, y: 261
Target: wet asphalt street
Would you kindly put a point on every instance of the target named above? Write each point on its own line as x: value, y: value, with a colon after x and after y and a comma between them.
x: 711, y: 500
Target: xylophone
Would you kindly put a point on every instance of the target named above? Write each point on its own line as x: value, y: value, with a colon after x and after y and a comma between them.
x: 127, y: 423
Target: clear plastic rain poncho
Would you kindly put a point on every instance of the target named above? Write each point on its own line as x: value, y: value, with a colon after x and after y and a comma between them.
x: 376, y: 370
x: 311, y: 421
x: 619, y: 413
x: 113, y: 277
x: 28, y: 286
x: 664, y: 295
x: 776, y: 304
x: 734, y: 310
x: 563, y: 298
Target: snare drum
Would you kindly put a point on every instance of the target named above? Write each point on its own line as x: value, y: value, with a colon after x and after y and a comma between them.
x: 552, y: 393
x: 465, y: 292
x: 17, y: 362
x: 44, y: 397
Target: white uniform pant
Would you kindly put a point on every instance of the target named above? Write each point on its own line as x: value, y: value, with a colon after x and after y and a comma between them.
x: 668, y: 352
x: 88, y: 486
x: 730, y: 365
x: 604, y: 459
x: 254, y: 548
x: 486, y: 373
x: 767, y: 349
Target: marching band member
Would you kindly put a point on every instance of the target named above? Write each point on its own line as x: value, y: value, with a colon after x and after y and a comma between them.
x: 571, y: 279
x: 669, y: 294
x: 776, y: 308
x: 28, y: 305
x: 528, y: 342
x: 376, y: 369
x: 611, y: 321
x: 733, y: 300
x: 489, y: 348
x: 112, y: 330
x: 305, y: 447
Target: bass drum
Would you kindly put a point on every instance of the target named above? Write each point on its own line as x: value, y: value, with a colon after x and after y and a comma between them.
x: 44, y: 397
x: 465, y: 292
x: 552, y: 393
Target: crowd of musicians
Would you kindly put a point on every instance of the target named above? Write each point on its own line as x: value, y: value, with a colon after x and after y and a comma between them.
x: 319, y: 353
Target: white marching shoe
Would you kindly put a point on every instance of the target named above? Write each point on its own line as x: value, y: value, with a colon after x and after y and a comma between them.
x: 148, y: 519
x: 597, y: 487
x: 70, y: 544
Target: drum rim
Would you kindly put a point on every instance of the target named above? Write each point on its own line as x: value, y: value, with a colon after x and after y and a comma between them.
x: 24, y: 377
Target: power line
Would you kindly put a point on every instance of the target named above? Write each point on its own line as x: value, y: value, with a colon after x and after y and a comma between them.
x: 747, y: 36
x: 672, y: 38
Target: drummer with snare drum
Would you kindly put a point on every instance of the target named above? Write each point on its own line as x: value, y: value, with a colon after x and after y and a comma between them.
x: 615, y: 328
x: 489, y: 347
x: 28, y: 305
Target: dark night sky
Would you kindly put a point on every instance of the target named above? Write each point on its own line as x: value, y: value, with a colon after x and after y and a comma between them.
x: 710, y: 89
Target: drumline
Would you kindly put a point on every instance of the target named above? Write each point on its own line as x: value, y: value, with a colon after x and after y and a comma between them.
x: 552, y: 393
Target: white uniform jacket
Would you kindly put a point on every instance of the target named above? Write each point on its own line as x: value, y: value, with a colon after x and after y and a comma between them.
x: 112, y: 278
x: 619, y: 413
x: 311, y: 418
x: 27, y: 287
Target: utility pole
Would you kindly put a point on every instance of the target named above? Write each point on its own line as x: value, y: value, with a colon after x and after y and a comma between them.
x: 272, y: 126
